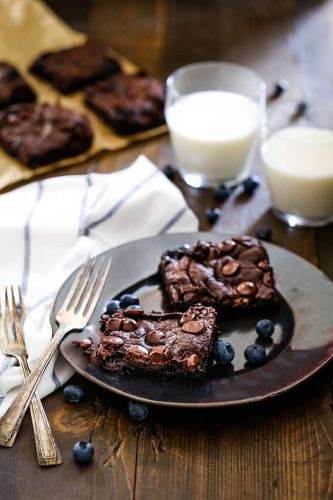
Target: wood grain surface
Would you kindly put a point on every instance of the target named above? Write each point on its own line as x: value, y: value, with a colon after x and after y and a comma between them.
x: 282, y: 449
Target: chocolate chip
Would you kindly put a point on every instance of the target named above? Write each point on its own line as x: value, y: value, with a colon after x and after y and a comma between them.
x: 267, y: 279
x: 186, y: 318
x: 264, y: 265
x: 247, y: 288
x: 159, y: 355
x: 227, y: 246
x: 138, y: 351
x: 193, y: 327
x: 192, y: 361
x: 82, y: 344
x: 113, y: 340
x: 133, y: 312
x: 113, y: 324
x: 129, y: 325
x: 230, y: 268
x: 154, y: 337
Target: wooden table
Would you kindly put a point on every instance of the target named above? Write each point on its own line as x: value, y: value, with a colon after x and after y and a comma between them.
x: 282, y: 449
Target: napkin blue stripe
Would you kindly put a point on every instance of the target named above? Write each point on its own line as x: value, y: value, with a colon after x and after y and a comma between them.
x: 27, y: 240
x: 119, y: 204
x: 173, y: 221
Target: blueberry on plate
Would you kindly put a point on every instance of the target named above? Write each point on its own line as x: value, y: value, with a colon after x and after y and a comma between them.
x: 264, y: 233
x: 128, y: 300
x: 255, y: 354
x: 222, y: 193
x: 251, y: 184
x: 137, y: 411
x: 169, y: 171
x: 83, y: 451
x: 265, y: 328
x: 112, y: 307
x: 212, y: 214
x: 74, y: 393
x: 223, y: 352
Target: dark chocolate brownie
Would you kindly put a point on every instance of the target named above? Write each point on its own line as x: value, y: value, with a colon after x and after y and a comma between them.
x: 13, y: 88
x: 129, y: 103
x: 165, y: 343
x: 38, y: 134
x: 234, y: 274
x: 71, y: 69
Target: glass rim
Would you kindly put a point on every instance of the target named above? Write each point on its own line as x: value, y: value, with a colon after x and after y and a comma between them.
x: 205, y: 64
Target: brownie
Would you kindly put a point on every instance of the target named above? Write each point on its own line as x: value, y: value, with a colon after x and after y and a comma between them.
x: 13, y: 88
x: 161, y: 343
x: 38, y: 134
x: 71, y: 69
x: 128, y: 103
x: 233, y: 274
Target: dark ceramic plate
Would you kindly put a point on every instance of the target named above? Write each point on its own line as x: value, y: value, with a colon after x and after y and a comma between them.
x: 301, y: 345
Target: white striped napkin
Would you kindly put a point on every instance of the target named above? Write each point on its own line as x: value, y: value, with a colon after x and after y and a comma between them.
x: 49, y: 227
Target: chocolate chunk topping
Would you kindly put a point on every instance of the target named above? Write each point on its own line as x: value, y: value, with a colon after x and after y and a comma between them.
x: 154, y: 337
x: 137, y: 351
x: 113, y: 324
x: 129, y: 325
x: 226, y: 246
x: 193, y: 361
x: 193, y: 327
x: 247, y: 288
x: 264, y: 265
x: 82, y: 344
x: 133, y: 312
x: 230, y: 268
x: 114, y: 341
x: 159, y: 355
x: 186, y: 318
x: 267, y: 279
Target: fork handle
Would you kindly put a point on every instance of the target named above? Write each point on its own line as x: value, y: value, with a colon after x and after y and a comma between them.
x: 47, y: 450
x: 11, y: 421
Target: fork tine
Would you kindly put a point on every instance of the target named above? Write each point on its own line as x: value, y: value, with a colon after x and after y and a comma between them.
x: 8, y: 320
x: 94, y: 297
x: 75, y: 285
x: 22, y: 308
x: 18, y: 328
x: 84, y: 283
x: 88, y: 291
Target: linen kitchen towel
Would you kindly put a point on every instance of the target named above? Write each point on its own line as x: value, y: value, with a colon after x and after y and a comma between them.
x: 49, y: 228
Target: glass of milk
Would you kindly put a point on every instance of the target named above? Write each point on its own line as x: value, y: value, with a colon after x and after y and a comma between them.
x: 298, y: 160
x: 215, y: 113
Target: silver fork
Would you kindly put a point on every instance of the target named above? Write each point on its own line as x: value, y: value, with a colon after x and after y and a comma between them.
x: 74, y: 314
x: 12, y: 344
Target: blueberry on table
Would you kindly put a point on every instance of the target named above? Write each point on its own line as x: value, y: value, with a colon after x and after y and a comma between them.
x: 223, y: 352
x: 169, y: 171
x: 279, y: 88
x: 212, y: 214
x: 264, y: 233
x: 83, y: 451
x: 112, y: 306
x: 128, y: 300
x: 250, y: 184
x: 265, y: 328
x: 74, y: 393
x: 221, y: 193
x: 137, y: 411
x: 255, y: 354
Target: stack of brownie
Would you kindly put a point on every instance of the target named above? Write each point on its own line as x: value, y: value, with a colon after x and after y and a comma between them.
x: 200, y: 282
x: 38, y: 134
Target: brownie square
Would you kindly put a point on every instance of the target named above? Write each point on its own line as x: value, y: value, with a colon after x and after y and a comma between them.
x: 233, y: 274
x: 13, y: 88
x: 161, y: 343
x: 39, y: 134
x: 71, y: 69
x: 128, y: 103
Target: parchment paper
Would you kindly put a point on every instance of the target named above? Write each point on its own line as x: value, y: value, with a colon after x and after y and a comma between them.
x: 28, y: 28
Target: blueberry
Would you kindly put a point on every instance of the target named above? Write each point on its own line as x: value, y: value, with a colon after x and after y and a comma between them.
x: 83, y: 451
x: 223, y: 352
x: 279, y: 88
x: 74, y: 393
x: 128, y: 300
x: 112, y: 307
x: 264, y: 233
x: 222, y: 193
x: 212, y: 214
x: 137, y: 411
x: 169, y: 171
x: 255, y: 354
x: 265, y: 328
x: 250, y: 184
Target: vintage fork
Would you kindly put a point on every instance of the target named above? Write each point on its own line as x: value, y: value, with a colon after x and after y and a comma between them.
x: 12, y: 344
x: 74, y: 314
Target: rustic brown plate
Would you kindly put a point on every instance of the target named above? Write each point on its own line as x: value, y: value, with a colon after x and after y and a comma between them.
x: 301, y: 345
